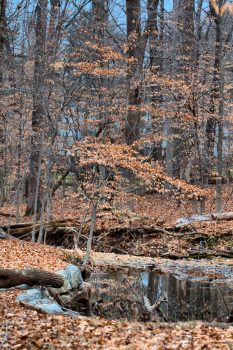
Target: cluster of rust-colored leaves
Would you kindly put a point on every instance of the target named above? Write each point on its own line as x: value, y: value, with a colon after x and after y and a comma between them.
x: 118, y: 157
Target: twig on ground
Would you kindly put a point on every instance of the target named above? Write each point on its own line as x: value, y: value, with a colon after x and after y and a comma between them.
x: 6, y: 335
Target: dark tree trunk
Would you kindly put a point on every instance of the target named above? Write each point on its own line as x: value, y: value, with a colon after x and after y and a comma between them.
x: 156, y: 66
x: 137, y: 42
x: 100, y: 15
x: 3, y: 34
x: 133, y: 119
x: 212, y: 121
x: 34, y: 186
x: 185, y: 49
x: 100, y: 24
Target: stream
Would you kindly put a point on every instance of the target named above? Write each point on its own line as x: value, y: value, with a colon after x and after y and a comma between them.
x: 179, y: 293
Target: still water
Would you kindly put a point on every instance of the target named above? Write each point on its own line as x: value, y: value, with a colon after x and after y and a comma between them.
x: 192, y: 294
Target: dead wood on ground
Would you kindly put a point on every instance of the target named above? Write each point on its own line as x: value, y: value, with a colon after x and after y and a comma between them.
x: 201, y: 254
x: 13, y: 277
x: 226, y: 216
x: 62, y: 232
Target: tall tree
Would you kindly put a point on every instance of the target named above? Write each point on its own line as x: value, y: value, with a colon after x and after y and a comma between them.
x: 3, y: 33
x: 182, y: 67
x: 156, y: 68
x: 137, y: 43
x: 133, y: 120
x: 100, y: 14
x: 211, y: 120
x: 38, y: 113
x: 2, y: 45
x: 100, y: 24
x: 217, y: 99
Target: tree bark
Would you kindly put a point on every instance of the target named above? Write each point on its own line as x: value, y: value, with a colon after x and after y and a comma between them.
x: 13, y: 277
x: 100, y: 25
x: 3, y: 33
x: 133, y: 119
x: 137, y: 42
x: 100, y: 14
x: 38, y: 107
x: 156, y: 66
x: 211, y: 123
x: 184, y: 56
x: 217, y: 104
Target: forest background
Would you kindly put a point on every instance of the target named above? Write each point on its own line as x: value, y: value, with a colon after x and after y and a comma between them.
x: 125, y: 104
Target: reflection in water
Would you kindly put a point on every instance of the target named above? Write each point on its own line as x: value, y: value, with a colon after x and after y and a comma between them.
x: 161, y: 296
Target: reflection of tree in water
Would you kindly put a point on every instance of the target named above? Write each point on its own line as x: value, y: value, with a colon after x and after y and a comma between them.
x: 151, y: 296
x: 194, y: 299
x: 118, y: 295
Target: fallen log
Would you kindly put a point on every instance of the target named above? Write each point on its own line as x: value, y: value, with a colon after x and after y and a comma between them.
x: 8, y: 215
x: 24, y: 228
x: 13, y: 277
x: 223, y: 216
x: 62, y: 232
x: 4, y: 235
x: 185, y: 221
x: 19, y: 229
x: 200, y: 254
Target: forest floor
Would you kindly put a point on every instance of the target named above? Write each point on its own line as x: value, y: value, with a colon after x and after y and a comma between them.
x: 132, y: 212
x: 22, y: 328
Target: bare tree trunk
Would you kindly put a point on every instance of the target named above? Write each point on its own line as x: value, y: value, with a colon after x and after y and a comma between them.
x: 198, y: 167
x: 89, y: 242
x: 38, y: 107
x: 211, y: 121
x: 137, y: 42
x: 133, y: 119
x: 100, y: 14
x: 156, y: 66
x: 198, y: 29
x: 52, y: 47
x: 153, y: 14
x: 2, y: 136
x: 220, y: 123
x: 100, y: 25
x: 185, y: 48
x: 217, y: 99
x: 3, y: 34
